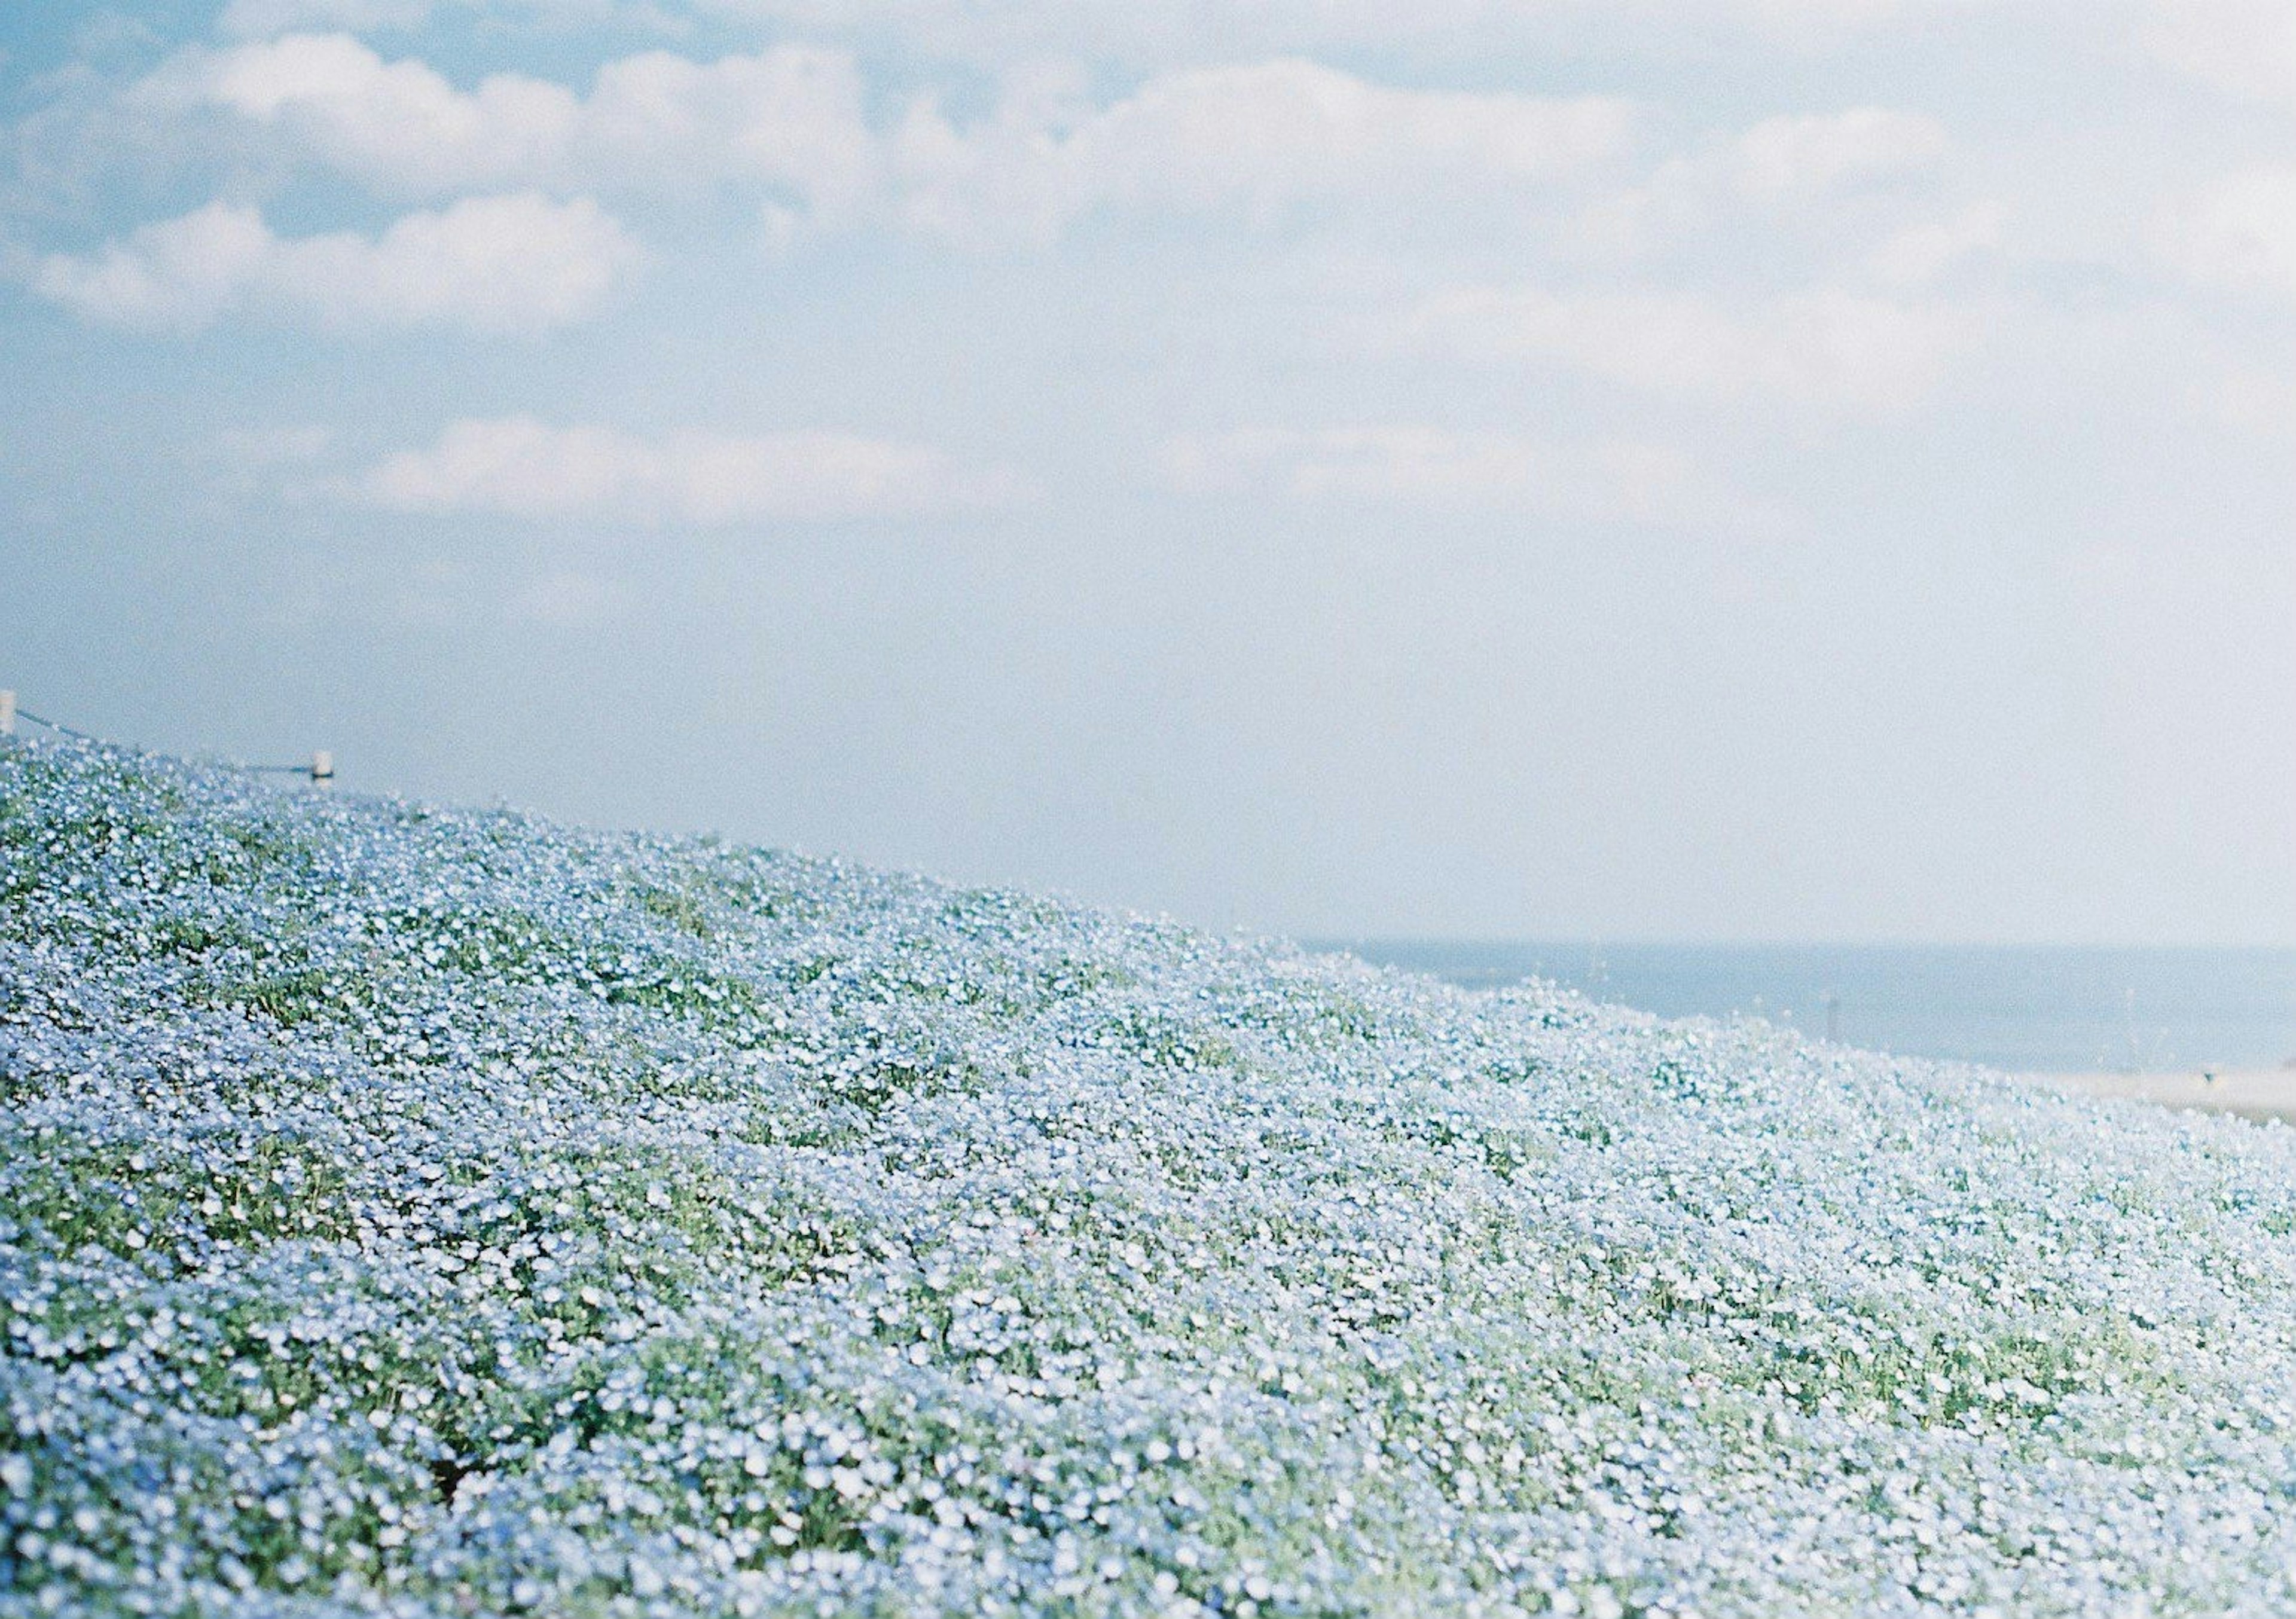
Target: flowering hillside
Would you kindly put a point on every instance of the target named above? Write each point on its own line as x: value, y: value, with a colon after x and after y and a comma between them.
x: 440, y: 1212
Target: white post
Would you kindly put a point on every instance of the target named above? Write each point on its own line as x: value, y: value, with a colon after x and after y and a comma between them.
x: 8, y: 713
x: 322, y: 768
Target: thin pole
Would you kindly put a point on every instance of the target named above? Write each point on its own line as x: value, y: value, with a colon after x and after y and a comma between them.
x: 8, y: 713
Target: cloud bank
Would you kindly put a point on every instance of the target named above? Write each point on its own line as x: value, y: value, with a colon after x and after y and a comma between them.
x: 792, y: 125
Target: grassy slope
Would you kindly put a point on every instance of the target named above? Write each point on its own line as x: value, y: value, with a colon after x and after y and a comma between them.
x: 448, y: 1212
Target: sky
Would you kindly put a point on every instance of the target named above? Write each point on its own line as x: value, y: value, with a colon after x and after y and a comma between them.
x: 1719, y: 470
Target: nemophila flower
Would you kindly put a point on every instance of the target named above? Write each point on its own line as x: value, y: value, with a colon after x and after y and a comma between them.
x: 407, y: 1211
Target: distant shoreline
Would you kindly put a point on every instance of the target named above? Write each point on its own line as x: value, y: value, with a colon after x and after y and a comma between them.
x: 2251, y: 1092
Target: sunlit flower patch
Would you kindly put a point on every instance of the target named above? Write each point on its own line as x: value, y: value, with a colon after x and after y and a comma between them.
x: 427, y: 1212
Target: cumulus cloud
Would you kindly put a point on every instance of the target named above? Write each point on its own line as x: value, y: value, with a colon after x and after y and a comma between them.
x: 789, y: 117
x: 522, y: 467
x: 794, y: 121
x: 1828, y: 348
x: 1421, y: 466
x: 1254, y: 137
x: 511, y: 263
x: 2239, y: 232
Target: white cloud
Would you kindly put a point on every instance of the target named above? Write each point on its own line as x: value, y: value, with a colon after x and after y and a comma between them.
x: 2239, y: 232
x: 511, y: 264
x: 1919, y: 254
x: 1818, y: 151
x: 788, y: 117
x: 399, y: 123
x: 520, y: 467
x: 1826, y: 347
x: 2246, y: 48
x: 1423, y: 466
x: 1252, y: 137
x: 1795, y: 161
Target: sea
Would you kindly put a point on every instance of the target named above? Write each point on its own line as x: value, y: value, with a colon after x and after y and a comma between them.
x: 2028, y: 1010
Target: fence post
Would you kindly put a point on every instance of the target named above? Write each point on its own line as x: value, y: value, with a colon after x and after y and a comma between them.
x: 8, y: 713
x: 322, y: 768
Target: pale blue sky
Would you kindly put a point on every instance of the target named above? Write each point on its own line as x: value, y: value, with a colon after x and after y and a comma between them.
x: 1755, y: 468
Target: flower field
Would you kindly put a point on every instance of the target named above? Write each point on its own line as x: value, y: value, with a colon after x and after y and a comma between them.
x: 433, y: 1212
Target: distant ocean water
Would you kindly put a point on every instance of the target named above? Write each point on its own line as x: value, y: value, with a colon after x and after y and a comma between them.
x: 2026, y: 1010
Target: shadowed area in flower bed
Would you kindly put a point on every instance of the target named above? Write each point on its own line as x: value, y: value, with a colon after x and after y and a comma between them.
x: 407, y: 1210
